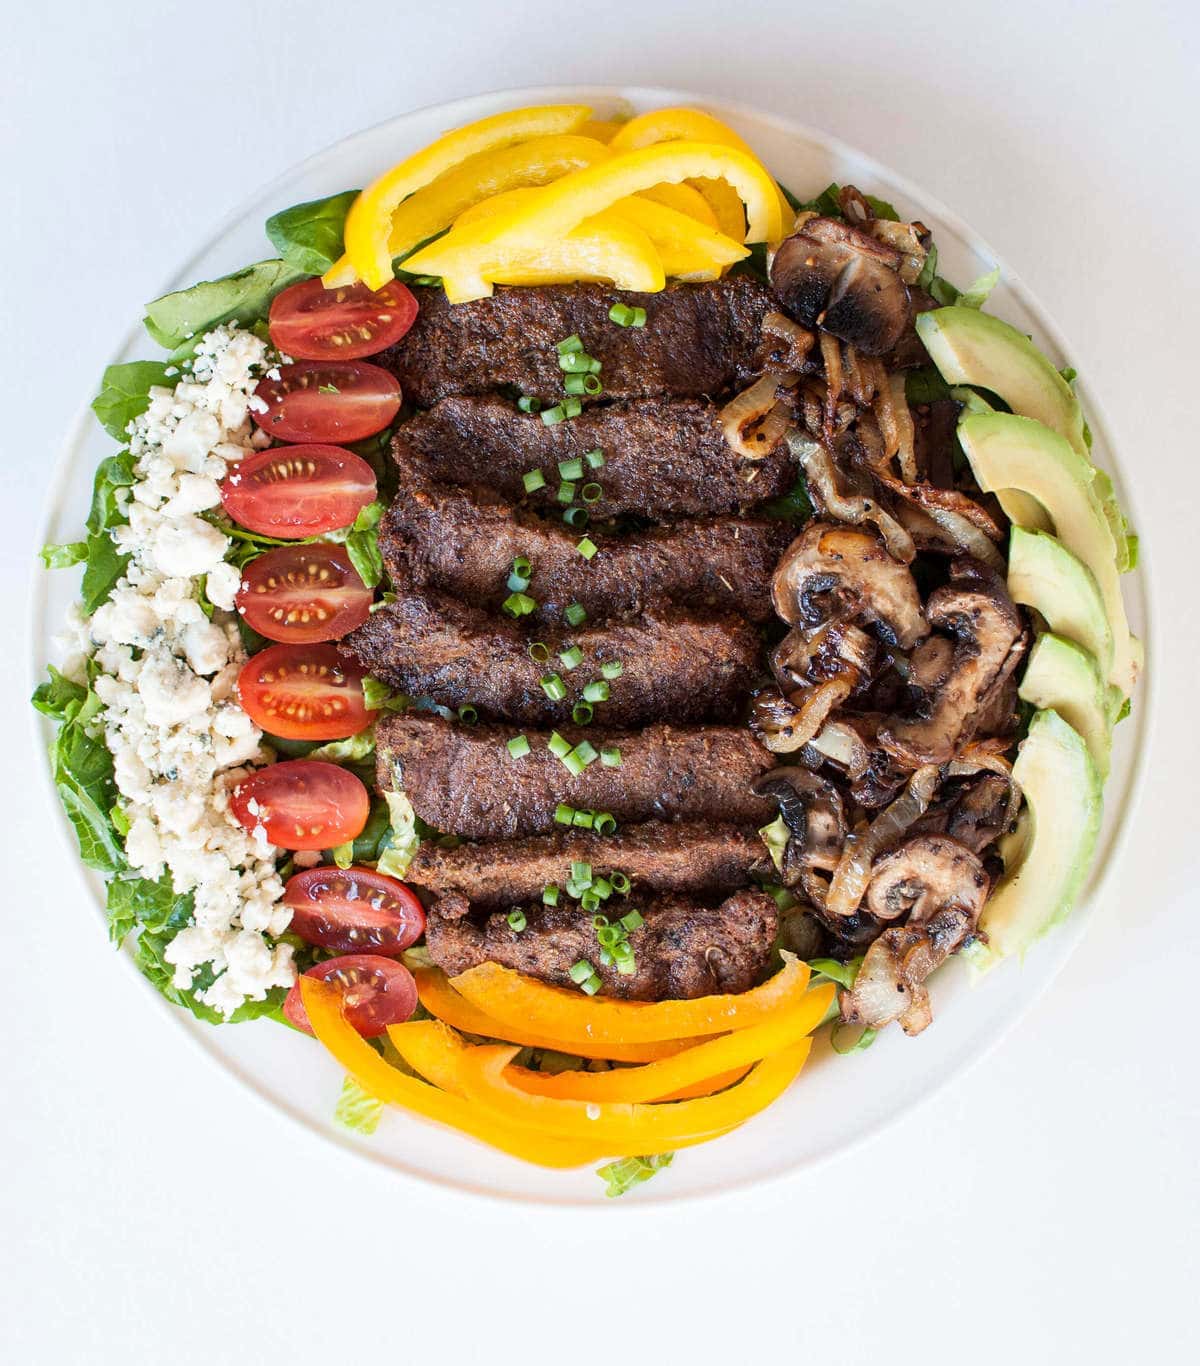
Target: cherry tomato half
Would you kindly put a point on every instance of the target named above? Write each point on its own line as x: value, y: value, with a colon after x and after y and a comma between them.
x: 303, y: 692
x: 302, y: 804
x: 354, y: 910
x: 376, y: 992
x: 303, y: 593
x: 295, y: 491
x: 309, y: 322
x: 328, y: 400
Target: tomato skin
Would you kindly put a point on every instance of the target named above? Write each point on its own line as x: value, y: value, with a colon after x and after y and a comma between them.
x: 303, y: 692
x: 354, y: 910
x: 295, y: 491
x: 376, y: 992
x: 331, y: 400
x: 302, y: 804
x: 299, y: 594
x: 309, y: 322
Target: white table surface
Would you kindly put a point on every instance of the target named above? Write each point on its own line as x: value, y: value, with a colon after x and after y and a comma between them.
x: 1044, y: 1207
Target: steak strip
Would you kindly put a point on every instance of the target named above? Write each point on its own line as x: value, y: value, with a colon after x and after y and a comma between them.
x: 658, y: 855
x: 683, y: 950
x: 462, y: 780
x: 464, y: 542
x: 662, y: 457
x: 674, y: 664
x: 698, y: 340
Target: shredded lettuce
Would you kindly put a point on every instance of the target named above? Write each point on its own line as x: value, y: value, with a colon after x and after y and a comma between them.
x: 622, y: 1176
x: 309, y: 236
x: 976, y: 293
x: 352, y: 751
x: 775, y: 836
x: 405, y: 841
x: 381, y: 696
x: 357, y: 1109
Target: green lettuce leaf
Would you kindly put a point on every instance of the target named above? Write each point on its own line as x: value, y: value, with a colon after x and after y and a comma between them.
x: 125, y: 393
x: 404, y: 841
x: 362, y: 545
x: 357, y: 1109
x: 177, y: 321
x: 622, y: 1176
x: 309, y: 236
x: 63, y: 556
x: 775, y: 836
x: 976, y: 293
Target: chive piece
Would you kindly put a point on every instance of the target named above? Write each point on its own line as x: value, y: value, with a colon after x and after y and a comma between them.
x: 572, y: 658
x: 624, y: 316
x: 613, y: 669
x: 575, y: 615
x: 529, y: 405
x: 621, y: 884
x: 554, y: 688
x: 564, y: 814
x: 582, y: 713
x: 573, y: 764
x: 558, y: 746
x: 603, y: 822
x: 596, y: 691
x: 582, y: 872
x: 539, y: 652
x: 632, y: 920
x: 571, y: 469
x: 583, y: 384
x: 566, y: 492
x: 595, y: 458
x: 518, y: 746
x: 592, y: 985
x: 569, y: 344
x: 518, y: 604
x: 580, y: 971
x: 522, y: 572
x: 578, y: 363
x: 586, y: 751
x: 576, y: 889
x: 550, y: 894
x: 572, y: 406
x: 605, y: 958
x: 591, y: 493
x: 584, y: 820
x: 599, y: 922
x: 587, y: 548
x: 468, y: 714
x: 533, y: 480
x: 516, y: 919
x: 576, y: 517
x: 610, y: 756
x: 552, y: 416
x: 602, y: 887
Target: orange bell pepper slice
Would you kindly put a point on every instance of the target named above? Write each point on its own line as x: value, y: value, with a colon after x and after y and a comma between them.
x: 598, y: 1021
x: 323, y: 1002
x: 627, y: 1129
x: 441, y: 1000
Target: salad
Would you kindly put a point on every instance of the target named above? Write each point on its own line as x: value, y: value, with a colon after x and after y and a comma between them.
x: 579, y: 620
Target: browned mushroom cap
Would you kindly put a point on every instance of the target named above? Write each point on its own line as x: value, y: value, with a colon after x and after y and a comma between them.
x: 837, y: 277
x: 953, y: 683
x: 852, y: 571
x: 813, y: 812
x: 924, y: 875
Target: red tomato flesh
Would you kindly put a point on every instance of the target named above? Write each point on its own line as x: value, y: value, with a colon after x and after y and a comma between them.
x: 299, y: 594
x: 309, y: 322
x: 296, y: 491
x: 302, y: 804
x: 376, y: 992
x: 329, y: 400
x: 354, y: 910
x: 303, y: 692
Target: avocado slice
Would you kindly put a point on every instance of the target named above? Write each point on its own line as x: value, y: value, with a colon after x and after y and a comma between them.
x: 1045, y: 866
x: 1007, y: 451
x: 1044, y: 575
x: 1063, y: 677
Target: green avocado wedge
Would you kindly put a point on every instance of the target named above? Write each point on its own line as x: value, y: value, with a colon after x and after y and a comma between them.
x: 1044, y: 575
x: 1006, y: 451
x: 1062, y: 677
x: 1048, y: 859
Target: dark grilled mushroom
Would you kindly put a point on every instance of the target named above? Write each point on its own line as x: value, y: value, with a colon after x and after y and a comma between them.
x: 813, y: 812
x: 924, y: 875
x: 840, y: 278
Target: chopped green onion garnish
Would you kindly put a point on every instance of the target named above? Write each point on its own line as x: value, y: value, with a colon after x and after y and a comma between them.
x: 554, y: 688
x: 576, y: 517
x: 591, y: 493
x: 583, y: 384
x: 552, y: 416
x: 584, y: 819
x: 468, y: 714
x: 624, y: 316
x: 587, y: 548
x: 578, y: 363
x: 529, y: 405
x: 572, y: 658
x: 586, y: 751
x: 550, y: 895
x: 580, y: 971
x: 595, y: 458
x: 566, y: 492
x: 539, y: 652
x: 572, y: 406
x: 603, y: 823
x: 533, y: 480
x: 558, y: 746
x: 522, y: 572
x: 592, y: 985
x: 571, y: 469
x: 564, y: 814
x: 605, y: 957
x: 596, y: 691
x: 602, y: 887
x: 610, y: 756
x: 569, y: 344
x: 518, y: 604
x: 518, y: 746
x: 606, y: 934
x: 582, y: 872
x: 575, y: 615
x: 625, y: 961
x: 576, y: 889
x: 516, y: 920
x: 573, y: 764
x: 582, y: 713
x: 632, y: 920
x: 522, y: 566
x: 613, y: 669
x: 620, y: 883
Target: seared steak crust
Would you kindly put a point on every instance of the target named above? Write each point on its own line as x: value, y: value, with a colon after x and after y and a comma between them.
x: 461, y: 780
x: 685, y: 948
x: 675, y: 664
x: 662, y: 457
x: 699, y: 339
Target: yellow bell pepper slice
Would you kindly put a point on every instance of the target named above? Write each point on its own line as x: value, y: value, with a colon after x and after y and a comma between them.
x: 627, y: 1129
x: 685, y: 199
x: 726, y: 207
x: 441, y: 1000
x: 323, y: 1003
x: 537, y: 162
x: 603, y: 130
x: 688, y: 250
x: 690, y: 125
x: 369, y: 222
x: 572, y: 1016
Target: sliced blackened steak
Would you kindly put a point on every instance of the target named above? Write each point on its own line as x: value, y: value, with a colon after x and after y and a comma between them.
x: 661, y: 457
x: 684, y: 949
x: 462, y: 780
x: 658, y: 855
x: 464, y: 542
x: 672, y: 663
x: 698, y: 340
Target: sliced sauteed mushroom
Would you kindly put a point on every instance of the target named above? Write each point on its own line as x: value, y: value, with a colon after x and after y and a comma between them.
x: 833, y: 275
x: 924, y: 875
x: 814, y: 814
x: 822, y: 652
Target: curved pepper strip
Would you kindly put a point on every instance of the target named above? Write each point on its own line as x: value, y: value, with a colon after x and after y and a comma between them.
x: 537, y: 162
x: 688, y: 250
x: 599, y: 1021
x: 323, y: 1003
x: 627, y: 1130
x: 441, y: 1000
x: 369, y: 222
x: 685, y: 199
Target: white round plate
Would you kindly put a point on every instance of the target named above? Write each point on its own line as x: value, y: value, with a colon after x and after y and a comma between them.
x: 837, y: 1101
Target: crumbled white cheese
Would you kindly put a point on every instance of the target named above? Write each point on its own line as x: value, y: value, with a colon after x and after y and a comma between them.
x: 180, y: 741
